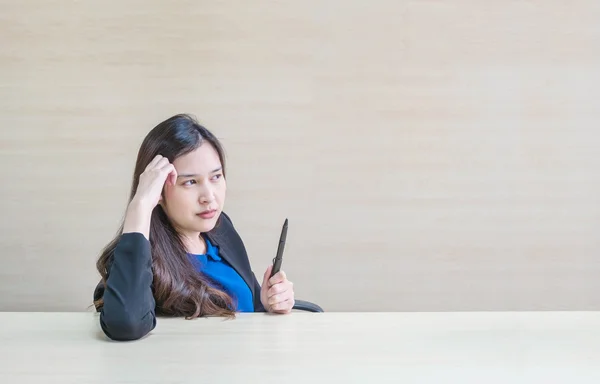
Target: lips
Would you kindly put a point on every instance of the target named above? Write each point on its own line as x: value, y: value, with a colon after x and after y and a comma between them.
x: 208, y: 214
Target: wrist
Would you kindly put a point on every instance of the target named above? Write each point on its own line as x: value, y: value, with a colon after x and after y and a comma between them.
x: 137, y: 218
x: 140, y: 206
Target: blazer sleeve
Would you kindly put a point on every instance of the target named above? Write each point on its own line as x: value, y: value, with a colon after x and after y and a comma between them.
x: 128, y: 312
x: 258, y: 306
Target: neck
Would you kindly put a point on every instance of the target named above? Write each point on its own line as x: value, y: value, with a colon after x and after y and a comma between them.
x: 194, y: 243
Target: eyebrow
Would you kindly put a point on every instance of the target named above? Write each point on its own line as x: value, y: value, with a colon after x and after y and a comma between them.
x: 195, y: 174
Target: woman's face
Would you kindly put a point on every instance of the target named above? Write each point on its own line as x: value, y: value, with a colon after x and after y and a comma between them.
x: 196, y: 200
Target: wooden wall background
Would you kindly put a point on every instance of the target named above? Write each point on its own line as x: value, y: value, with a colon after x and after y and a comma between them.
x: 430, y: 155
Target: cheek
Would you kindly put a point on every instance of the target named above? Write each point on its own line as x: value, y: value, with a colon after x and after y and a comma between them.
x: 222, y: 191
x: 167, y: 192
x: 174, y: 192
x: 177, y: 199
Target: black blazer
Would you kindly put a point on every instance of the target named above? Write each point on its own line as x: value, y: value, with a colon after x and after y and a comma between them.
x: 129, y: 310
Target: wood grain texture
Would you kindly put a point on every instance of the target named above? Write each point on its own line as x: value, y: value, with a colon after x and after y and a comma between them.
x: 471, y: 348
x: 430, y: 155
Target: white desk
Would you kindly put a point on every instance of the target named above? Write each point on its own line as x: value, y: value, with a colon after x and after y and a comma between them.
x: 303, y: 347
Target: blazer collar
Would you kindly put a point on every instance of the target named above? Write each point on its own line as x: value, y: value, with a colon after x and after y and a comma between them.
x: 220, y: 237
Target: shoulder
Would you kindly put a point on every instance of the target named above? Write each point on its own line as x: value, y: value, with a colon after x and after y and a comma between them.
x: 225, y: 217
x: 224, y: 229
x: 227, y: 238
x: 224, y: 224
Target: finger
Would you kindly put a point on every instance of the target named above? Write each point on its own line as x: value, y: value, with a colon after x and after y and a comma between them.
x: 153, y: 162
x: 171, y: 172
x: 277, y: 289
x: 166, y: 168
x: 280, y: 297
x: 283, y: 307
x: 161, y: 163
x: 278, y: 278
x: 280, y: 288
x: 266, y: 276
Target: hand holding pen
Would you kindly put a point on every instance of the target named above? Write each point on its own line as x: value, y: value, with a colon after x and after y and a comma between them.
x: 277, y: 292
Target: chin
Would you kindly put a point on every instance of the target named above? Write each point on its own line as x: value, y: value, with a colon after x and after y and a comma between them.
x: 207, y: 225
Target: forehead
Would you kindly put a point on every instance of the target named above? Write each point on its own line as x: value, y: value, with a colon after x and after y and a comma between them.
x: 202, y: 160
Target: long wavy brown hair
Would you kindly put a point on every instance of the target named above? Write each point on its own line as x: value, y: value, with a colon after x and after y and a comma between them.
x: 179, y: 289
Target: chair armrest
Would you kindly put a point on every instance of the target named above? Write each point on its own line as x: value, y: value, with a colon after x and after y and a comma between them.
x: 307, y: 306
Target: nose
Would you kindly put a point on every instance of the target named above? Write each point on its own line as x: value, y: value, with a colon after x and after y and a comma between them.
x: 207, y: 194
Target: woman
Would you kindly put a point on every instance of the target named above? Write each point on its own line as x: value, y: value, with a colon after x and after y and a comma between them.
x: 177, y: 253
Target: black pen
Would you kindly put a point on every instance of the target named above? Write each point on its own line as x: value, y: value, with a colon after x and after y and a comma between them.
x: 278, y: 258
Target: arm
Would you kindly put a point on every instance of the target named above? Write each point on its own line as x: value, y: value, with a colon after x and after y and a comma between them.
x: 258, y: 305
x: 128, y: 312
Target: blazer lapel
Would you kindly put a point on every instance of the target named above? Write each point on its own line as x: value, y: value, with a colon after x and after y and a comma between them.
x: 218, y: 236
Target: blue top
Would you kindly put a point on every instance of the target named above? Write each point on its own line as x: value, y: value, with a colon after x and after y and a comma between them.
x: 220, y: 272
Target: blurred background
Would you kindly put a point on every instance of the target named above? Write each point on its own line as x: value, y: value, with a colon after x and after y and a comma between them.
x: 430, y: 155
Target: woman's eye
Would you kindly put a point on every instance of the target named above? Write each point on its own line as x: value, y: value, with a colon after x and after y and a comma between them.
x: 217, y: 177
x: 189, y: 182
